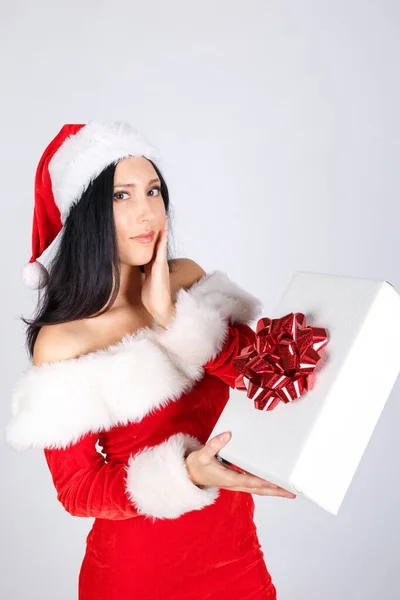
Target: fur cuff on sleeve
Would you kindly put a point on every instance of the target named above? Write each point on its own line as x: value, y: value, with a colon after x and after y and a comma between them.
x: 199, y: 327
x: 158, y: 482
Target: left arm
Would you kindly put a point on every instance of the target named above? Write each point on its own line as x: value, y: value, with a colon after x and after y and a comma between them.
x: 210, y: 324
x: 239, y: 336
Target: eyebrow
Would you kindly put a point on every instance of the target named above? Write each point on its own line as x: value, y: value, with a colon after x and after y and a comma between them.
x: 134, y: 184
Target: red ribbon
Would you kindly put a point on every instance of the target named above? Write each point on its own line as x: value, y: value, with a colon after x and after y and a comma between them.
x: 280, y: 361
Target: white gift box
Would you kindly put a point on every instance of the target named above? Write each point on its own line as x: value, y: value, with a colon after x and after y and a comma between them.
x: 312, y: 445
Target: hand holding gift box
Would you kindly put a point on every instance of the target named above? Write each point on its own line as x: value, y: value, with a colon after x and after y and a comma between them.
x: 316, y: 415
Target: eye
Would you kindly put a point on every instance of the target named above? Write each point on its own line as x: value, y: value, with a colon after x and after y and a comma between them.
x: 119, y: 194
x: 158, y: 188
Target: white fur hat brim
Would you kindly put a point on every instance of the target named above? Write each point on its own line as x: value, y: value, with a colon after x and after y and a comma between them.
x: 84, y: 155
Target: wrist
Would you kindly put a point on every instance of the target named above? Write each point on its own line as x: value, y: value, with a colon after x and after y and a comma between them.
x: 166, y: 318
x: 190, y: 474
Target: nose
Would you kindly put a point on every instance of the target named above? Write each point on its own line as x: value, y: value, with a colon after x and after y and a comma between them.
x: 145, y: 209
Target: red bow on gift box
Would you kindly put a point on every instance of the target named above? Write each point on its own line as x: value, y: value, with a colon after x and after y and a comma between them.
x: 277, y: 365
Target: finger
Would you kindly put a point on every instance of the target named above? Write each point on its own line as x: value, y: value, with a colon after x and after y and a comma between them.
x: 246, y: 480
x: 266, y: 491
x: 156, y: 252
x: 263, y: 490
x: 266, y: 482
x: 233, y: 480
x: 281, y: 493
x: 214, y: 445
x: 160, y: 252
x: 257, y: 481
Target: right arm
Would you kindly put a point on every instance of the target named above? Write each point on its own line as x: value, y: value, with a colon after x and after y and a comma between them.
x: 88, y: 486
x: 153, y: 482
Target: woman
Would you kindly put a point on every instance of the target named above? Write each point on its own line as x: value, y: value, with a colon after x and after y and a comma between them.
x: 133, y: 351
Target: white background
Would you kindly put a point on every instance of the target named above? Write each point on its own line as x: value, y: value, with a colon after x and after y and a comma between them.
x: 279, y: 127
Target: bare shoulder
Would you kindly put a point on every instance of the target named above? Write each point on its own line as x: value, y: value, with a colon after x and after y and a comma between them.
x: 70, y: 340
x: 187, y: 272
x: 56, y: 342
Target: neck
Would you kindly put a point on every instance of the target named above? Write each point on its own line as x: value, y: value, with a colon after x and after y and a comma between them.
x: 129, y: 293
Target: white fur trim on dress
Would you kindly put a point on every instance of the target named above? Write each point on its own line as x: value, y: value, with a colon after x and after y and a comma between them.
x: 158, y: 482
x: 85, y: 154
x: 55, y: 403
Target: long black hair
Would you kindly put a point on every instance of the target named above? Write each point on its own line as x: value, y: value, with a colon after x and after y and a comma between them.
x: 81, y: 281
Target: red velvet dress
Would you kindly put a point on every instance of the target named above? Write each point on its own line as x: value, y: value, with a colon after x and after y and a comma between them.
x: 156, y: 535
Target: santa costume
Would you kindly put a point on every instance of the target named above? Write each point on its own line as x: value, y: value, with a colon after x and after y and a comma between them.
x: 146, y: 401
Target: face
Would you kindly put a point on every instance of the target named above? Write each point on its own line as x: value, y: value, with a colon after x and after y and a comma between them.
x: 138, y: 208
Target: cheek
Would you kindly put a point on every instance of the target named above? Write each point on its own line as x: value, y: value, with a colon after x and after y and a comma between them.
x: 122, y: 224
x: 161, y: 212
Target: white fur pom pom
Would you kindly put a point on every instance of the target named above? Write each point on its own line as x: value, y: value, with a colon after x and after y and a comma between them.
x: 35, y: 275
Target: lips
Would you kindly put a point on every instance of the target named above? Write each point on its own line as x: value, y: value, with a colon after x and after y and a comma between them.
x: 147, y: 237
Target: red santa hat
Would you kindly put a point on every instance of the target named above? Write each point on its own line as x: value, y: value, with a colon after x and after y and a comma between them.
x: 70, y: 162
